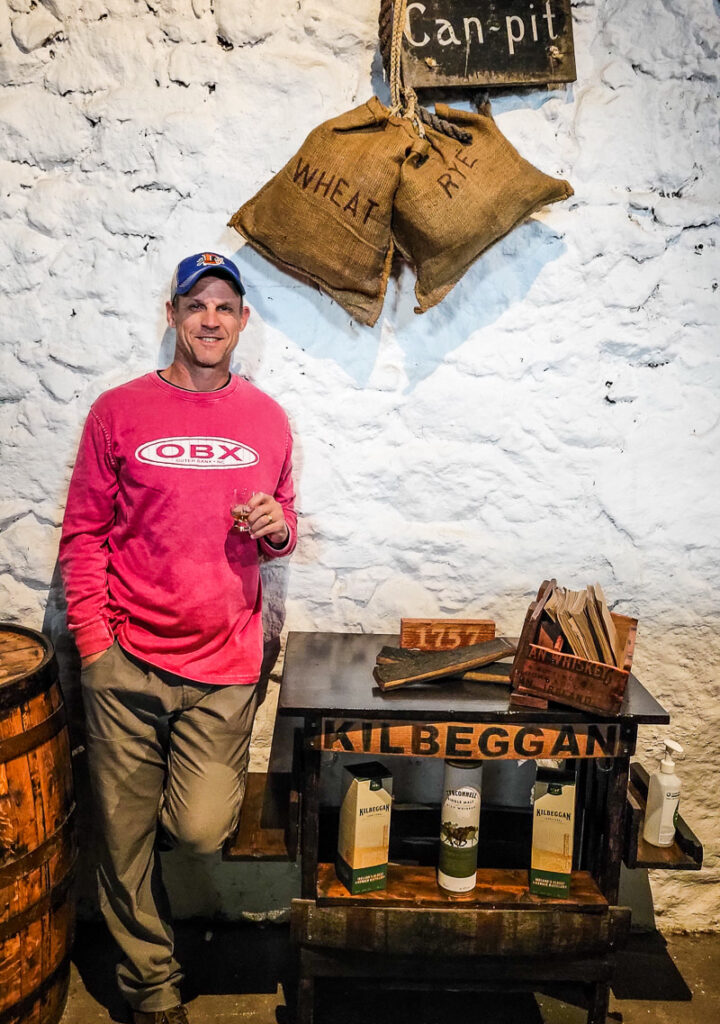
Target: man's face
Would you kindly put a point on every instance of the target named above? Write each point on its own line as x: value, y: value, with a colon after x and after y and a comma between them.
x: 207, y: 323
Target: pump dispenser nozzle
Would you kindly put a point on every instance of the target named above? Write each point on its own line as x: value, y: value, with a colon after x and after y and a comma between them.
x: 667, y: 765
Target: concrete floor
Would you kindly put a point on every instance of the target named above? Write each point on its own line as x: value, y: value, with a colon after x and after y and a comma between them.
x: 238, y: 974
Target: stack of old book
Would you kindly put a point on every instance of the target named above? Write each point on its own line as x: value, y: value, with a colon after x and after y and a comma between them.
x: 580, y: 622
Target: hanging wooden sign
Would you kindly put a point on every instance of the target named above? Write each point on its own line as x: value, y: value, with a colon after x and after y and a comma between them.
x: 473, y: 740
x: 488, y: 43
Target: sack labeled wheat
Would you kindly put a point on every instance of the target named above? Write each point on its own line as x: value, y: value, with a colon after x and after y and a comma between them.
x: 327, y: 214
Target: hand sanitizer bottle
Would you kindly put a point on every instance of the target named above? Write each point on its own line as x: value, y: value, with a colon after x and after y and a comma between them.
x: 662, y: 800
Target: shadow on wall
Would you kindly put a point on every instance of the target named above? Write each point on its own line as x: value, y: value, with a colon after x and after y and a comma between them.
x: 500, y: 278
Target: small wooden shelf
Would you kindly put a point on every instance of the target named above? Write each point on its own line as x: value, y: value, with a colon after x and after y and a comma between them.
x: 413, y: 917
x: 685, y: 854
x: 262, y: 832
x: 497, y: 888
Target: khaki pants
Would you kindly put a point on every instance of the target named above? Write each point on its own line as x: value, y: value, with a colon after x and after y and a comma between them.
x: 159, y: 747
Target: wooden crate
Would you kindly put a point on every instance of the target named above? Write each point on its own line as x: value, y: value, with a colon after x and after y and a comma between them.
x: 567, y: 678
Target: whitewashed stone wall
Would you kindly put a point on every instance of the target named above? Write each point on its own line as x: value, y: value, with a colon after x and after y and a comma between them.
x: 557, y: 414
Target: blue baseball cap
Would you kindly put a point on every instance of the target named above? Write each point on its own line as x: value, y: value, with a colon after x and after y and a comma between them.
x: 192, y: 268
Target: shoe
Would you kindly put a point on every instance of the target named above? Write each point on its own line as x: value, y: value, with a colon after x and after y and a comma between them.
x: 175, y: 1015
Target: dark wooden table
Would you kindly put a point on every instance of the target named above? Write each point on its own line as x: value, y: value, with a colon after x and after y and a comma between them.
x: 499, y: 934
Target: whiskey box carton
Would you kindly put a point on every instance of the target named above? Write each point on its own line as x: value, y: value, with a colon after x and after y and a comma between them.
x: 364, y: 832
x: 552, y: 834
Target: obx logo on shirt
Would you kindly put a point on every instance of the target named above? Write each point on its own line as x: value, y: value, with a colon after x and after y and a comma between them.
x: 197, y: 453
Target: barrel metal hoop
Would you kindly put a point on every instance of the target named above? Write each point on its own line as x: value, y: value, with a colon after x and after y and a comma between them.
x: 16, y: 746
x: 50, y: 901
x: 10, y: 870
x: 21, y: 1009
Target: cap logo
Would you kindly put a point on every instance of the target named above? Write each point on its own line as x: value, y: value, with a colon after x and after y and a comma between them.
x: 210, y: 259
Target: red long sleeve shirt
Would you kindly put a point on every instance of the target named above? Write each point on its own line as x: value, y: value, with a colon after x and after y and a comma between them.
x: 148, y: 553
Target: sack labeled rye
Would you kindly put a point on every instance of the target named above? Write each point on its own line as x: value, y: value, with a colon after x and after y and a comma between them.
x: 327, y: 214
x: 455, y: 200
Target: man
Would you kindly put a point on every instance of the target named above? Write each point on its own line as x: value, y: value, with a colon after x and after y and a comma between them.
x: 164, y: 601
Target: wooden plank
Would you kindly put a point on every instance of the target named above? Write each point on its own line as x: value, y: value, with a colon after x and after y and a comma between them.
x: 496, y: 887
x: 478, y: 973
x: 19, y: 662
x: 472, y: 740
x: 395, y: 655
x: 310, y: 807
x: 531, y: 625
x: 568, y: 679
x: 450, y: 43
x: 612, y: 816
x: 253, y: 841
x: 434, y: 665
x: 461, y: 932
x: 495, y: 672
x: 526, y: 700
x: 11, y: 641
x: 627, y: 632
x: 444, y: 634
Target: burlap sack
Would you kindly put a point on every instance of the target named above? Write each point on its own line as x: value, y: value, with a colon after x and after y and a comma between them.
x: 456, y: 200
x: 327, y: 214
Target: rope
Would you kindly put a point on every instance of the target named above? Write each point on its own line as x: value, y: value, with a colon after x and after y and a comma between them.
x: 439, y: 124
x: 385, y: 21
x: 403, y: 99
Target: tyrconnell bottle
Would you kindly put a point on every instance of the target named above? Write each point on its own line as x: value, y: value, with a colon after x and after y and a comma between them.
x: 459, y: 824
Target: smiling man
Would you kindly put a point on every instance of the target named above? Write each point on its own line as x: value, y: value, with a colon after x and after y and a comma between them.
x: 164, y: 600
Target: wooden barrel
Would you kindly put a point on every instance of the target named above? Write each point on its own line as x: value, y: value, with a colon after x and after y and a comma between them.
x: 37, y: 841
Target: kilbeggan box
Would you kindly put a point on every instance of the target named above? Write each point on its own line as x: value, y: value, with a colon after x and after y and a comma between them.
x: 552, y: 834
x: 364, y: 832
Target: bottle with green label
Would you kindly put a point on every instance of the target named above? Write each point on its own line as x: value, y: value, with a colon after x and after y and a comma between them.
x: 459, y: 825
